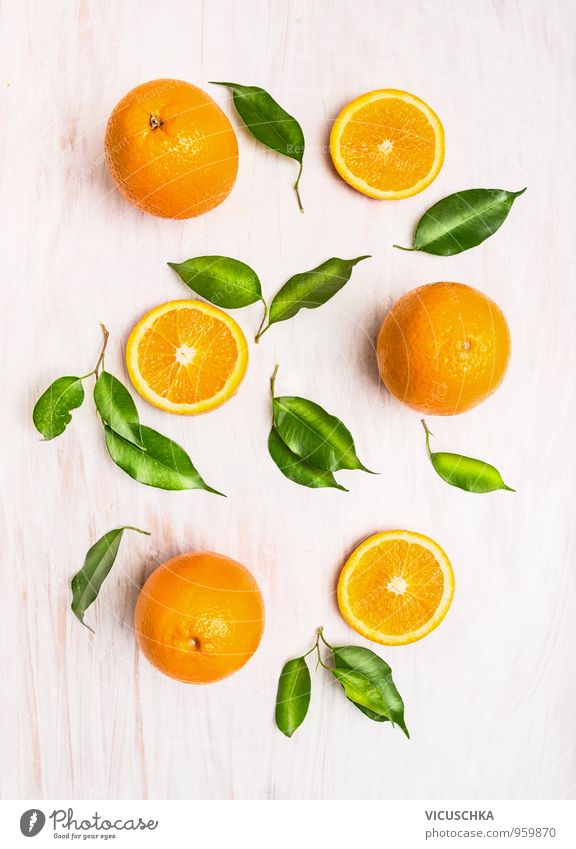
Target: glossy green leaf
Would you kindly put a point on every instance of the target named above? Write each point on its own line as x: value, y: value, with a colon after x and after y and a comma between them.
x: 269, y: 123
x: 222, y: 280
x: 310, y: 289
x: 314, y: 435
x: 468, y: 473
x: 361, y: 691
x: 99, y: 560
x: 464, y: 472
x: 462, y: 220
x: 365, y: 661
x: 52, y: 411
x: 297, y: 470
x: 116, y: 408
x: 293, y: 696
x: 161, y: 463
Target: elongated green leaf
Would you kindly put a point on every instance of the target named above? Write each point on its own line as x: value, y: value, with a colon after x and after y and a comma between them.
x: 52, y: 411
x: 462, y: 220
x: 222, y: 280
x: 269, y: 123
x: 314, y: 435
x: 99, y: 560
x: 360, y: 690
x: 464, y: 472
x: 161, y: 463
x: 297, y: 470
x: 267, y: 120
x: 310, y: 289
x: 116, y: 408
x: 360, y: 659
x: 293, y: 696
x: 468, y: 473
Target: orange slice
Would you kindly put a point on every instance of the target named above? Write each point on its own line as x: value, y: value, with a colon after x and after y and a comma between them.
x: 387, y: 144
x: 186, y: 357
x: 396, y: 587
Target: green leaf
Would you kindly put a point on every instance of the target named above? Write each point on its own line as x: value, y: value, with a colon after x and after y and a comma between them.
x: 464, y: 472
x: 365, y: 661
x: 360, y: 690
x: 116, y: 408
x: 314, y: 435
x: 222, y: 280
x: 297, y: 470
x: 99, y: 560
x: 462, y: 220
x: 269, y: 123
x: 310, y: 289
x: 468, y: 473
x: 160, y: 463
x: 52, y: 410
x: 293, y: 696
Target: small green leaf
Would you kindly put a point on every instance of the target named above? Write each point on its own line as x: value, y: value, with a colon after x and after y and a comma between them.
x: 99, y: 560
x: 161, y: 462
x: 52, y: 411
x: 468, y: 473
x: 297, y: 470
x: 465, y: 472
x: 360, y: 690
x: 222, y: 280
x: 293, y: 697
x: 462, y: 220
x: 310, y: 289
x: 314, y: 435
x: 116, y: 408
x: 269, y: 123
x: 360, y: 659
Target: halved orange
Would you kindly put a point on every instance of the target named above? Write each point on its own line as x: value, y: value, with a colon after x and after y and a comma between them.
x: 387, y: 144
x: 396, y: 587
x: 186, y: 357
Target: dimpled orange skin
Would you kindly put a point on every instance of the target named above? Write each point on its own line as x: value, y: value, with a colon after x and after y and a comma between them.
x: 443, y: 348
x: 171, y: 150
x: 199, y: 617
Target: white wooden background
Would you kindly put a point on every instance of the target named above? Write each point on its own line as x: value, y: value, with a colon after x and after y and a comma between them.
x: 490, y: 696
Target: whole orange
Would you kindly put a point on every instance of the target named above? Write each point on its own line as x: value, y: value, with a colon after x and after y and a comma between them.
x: 443, y: 348
x: 171, y: 150
x: 199, y: 617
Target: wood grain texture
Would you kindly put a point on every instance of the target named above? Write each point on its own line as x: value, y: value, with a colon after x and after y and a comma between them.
x: 491, y: 695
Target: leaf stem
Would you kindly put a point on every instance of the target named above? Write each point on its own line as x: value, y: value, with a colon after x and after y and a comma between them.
x: 100, y: 358
x: 260, y: 330
x: 320, y: 661
x: 296, y: 187
x: 323, y: 638
x: 273, y: 379
x: 261, y: 333
x: 140, y: 531
x: 401, y: 248
x: 314, y: 647
x: 103, y: 351
x: 428, y: 435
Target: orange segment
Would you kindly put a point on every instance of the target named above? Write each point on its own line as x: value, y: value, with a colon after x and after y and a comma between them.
x: 387, y: 144
x: 396, y: 587
x: 186, y: 357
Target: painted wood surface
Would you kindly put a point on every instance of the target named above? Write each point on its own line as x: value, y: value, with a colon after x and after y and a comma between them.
x: 490, y: 695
